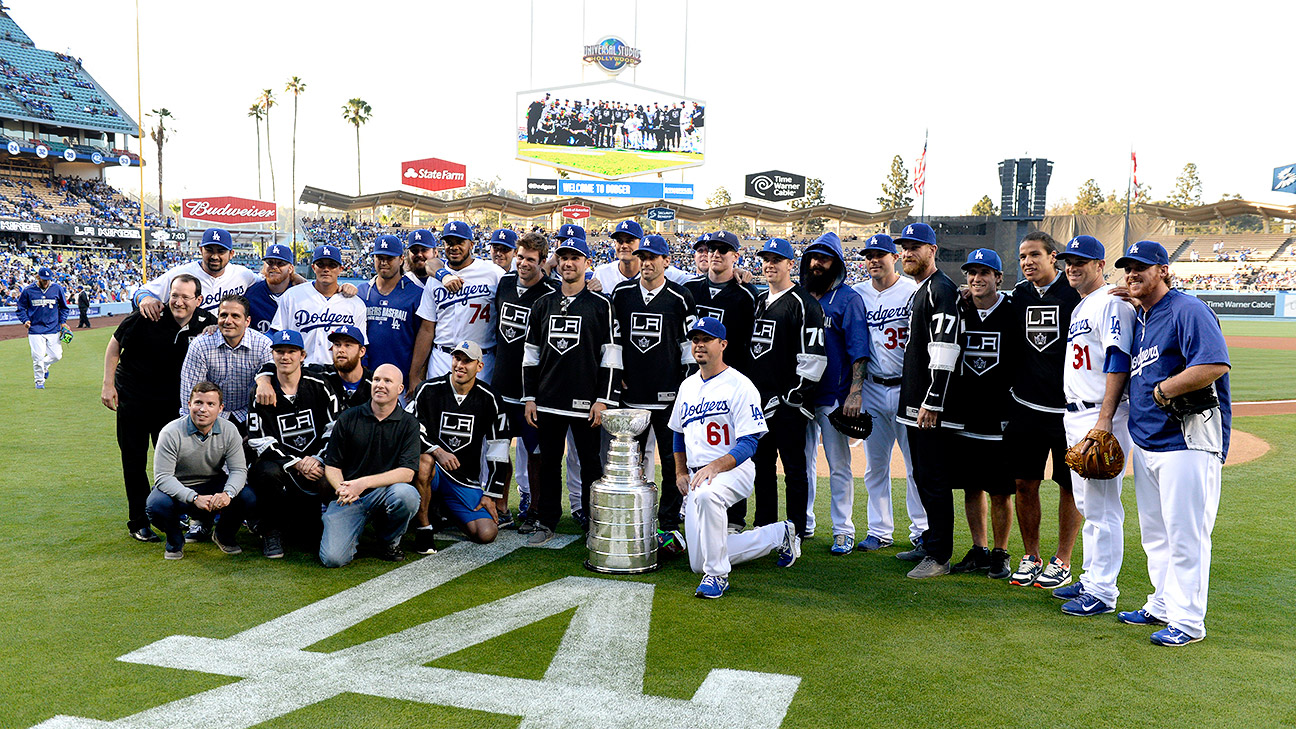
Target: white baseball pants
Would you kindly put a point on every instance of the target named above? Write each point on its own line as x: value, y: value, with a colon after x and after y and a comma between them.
x: 711, y: 549
x: 841, y: 481
x: 1178, y: 496
x: 882, y: 403
x: 1099, y: 502
x: 46, y: 349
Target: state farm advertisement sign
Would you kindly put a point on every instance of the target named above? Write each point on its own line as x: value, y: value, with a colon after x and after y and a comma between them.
x: 228, y: 210
x: 434, y: 174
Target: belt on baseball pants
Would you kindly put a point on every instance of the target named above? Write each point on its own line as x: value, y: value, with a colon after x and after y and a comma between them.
x: 450, y: 350
x: 886, y: 381
x: 1076, y: 407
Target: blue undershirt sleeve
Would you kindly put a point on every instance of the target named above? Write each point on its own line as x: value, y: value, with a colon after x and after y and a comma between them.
x: 679, y: 442
x: 1116, y: 361
x: 744, y: 448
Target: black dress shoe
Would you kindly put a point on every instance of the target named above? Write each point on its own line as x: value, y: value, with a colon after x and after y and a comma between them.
x: 145, y: 534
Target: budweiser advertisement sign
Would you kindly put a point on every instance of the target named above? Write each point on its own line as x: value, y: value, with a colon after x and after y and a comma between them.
x: 228, y: 210
x: 576, y: 212
x: 434, y: 174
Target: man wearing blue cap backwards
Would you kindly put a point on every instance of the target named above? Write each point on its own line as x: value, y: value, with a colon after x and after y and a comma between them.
x: 43, y: 309
x: 216, y: 275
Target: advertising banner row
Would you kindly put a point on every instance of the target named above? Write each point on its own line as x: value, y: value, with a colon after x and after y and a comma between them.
x: 92, y: 231
x: 1279, y: 304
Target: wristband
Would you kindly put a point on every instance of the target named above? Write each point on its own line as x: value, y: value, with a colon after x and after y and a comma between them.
x: 441, y: 274
x: 1159, y: 393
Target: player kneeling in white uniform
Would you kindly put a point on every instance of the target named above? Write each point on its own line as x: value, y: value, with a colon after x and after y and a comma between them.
x: 717, y: 420
x: 1099, y: 339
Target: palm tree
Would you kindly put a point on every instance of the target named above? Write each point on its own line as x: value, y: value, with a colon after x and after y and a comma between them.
x: 159, y: 135
x: 295, y: 86
x: 256, y: 112
x: 357, y: 112
x: 268, y: 102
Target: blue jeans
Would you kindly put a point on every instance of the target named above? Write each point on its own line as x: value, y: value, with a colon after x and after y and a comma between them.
x: 164, y: 512
x: 391, y: 508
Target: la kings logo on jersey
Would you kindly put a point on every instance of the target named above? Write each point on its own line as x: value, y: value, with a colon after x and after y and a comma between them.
x: 981, y: 353
x: 717, y: 314
x: 645, y: 330
x: 513, y: 321
x: 762, y: 340
x: 456, y: 430
x: 1042, y: 326
x: 564, y: 332
x: 297, y: 429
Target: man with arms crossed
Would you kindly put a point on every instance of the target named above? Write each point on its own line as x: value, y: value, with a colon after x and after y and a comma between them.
x: 717, y: 420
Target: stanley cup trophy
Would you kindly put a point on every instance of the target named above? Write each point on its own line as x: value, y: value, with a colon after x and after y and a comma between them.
x: 623, y: 506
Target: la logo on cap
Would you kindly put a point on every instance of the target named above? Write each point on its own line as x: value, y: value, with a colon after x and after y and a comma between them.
x: 1134, y: 248
x: 215, y: 235
x: 285, y: 336
x: 908, y: 230
x: 502, y: 236
x: 979, y: 254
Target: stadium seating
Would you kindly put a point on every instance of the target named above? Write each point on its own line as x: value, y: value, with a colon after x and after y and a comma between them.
x: 70, y: 200
x: 1258, y: 246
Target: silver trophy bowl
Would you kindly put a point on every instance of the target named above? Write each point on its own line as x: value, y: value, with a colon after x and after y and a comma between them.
x: 623, y: 505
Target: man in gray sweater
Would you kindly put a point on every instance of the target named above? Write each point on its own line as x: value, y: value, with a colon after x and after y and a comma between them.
x: 199, y: 469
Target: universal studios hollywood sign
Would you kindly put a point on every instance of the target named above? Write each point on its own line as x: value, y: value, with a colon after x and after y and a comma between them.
x: 612, y: 55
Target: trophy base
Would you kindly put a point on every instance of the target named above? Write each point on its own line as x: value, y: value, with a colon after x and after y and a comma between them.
x: 621, y: 570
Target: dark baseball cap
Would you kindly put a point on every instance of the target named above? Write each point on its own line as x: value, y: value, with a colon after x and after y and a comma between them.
x: 456, y: 229
x: 287, y: 338
x: 1083, y: 246
x: 1145, y: 251
x: 918, y: 233
x: 724, y: 238
x: 629, y: 227
x: 350, y: 332
x: 653, y: 244
x: 218, y: 237
x: 984, y: 257
x: 570, y: 231
x: 881, y: 242
x: 388, y: 245
x: 278, y: 252
x: 327, y: 253
x: 504, y: 237
x: 421, y: 237
x: 778, y: 247
x: 710, y: 326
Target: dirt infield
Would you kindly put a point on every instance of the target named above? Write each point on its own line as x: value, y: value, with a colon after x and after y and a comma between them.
x: 1285, y: 344
x: 16, y: 331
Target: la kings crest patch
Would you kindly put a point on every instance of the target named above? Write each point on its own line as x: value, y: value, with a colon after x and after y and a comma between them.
x: 714, y: 313
x: 513, y: 321
x: 645, y: 330
x: 762, y: 340
x: 981, y: 352
x: 564, y: 332
x: 456, y: 430
x: 1042, y: 327
x: 297, y: 430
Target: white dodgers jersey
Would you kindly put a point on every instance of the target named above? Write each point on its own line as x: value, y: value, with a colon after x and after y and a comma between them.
x: 304, y: 308
x: 468, y: 313
x: 235, y: 279
x: 713, y: 414
x: 888, y: 321
x: 1099, y: 322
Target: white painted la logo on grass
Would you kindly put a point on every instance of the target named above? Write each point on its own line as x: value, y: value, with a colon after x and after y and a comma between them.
x: 596, y: 675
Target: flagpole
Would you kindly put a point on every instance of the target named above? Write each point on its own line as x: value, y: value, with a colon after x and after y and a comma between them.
x: 1128, y: 186
x: 139, y: 100
x: 922, y: 214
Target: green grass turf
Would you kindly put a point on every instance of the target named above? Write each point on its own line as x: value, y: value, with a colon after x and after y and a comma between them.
x: 1261, y: 374
x: 608, y: 162
x: 1236, y: 328
x: 872, y: 648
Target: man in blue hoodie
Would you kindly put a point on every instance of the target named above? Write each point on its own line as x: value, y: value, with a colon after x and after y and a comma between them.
x: 846, y: 341
x: 43, y: 309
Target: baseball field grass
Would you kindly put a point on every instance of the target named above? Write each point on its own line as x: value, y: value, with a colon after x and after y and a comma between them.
x: 607, y: 162
x: 868, y: 646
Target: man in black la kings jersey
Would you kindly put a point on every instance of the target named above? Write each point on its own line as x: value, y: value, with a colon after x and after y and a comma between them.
x: 653, y: 318
x: 719, y: 295
x: 929, y: 362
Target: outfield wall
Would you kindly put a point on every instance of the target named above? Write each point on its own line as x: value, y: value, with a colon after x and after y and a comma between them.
x: 9, y: 314
x: 1250, y: 304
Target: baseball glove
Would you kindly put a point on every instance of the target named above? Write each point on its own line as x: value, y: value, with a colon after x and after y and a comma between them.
x: 1098, y: 456
x: 1190, y: 403
x: 65, y: 335
x: 854, y: 427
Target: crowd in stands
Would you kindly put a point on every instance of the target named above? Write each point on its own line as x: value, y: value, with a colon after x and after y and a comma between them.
x: 69, y: 200
x: 29, y: 88
x: 108, y: 274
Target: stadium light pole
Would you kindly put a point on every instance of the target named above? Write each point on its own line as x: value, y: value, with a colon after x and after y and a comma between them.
x: 139, y: 115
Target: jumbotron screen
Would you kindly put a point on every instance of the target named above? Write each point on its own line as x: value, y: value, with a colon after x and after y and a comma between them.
x: 609, y: 129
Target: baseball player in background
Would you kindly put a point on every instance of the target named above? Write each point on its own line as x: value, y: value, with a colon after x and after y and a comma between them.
x: 846, y: 348
x: 1179, y: 357
x: 316, y: 308
x: 717, y: 420
x: 1100, y: 338
x: 264, y: 294
x: 214, y: 272
x: 625, y: 241
x: 43, y: 310
x: 391, y: 304
x: 888, y: 300
x: 930, y: 359
x: 1044, y: 301
x: 503, y: 248
x: 420, y: 252
x: 449, y: 317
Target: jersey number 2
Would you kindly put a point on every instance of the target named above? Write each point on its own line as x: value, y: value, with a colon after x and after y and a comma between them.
x: 717, y: 434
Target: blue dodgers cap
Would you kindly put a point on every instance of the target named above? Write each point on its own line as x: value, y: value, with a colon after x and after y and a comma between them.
x: 1084, y: 246
x: 421, y: 237
x: 984, y: 257
x: 349, y: 331
x: 218, y: 237
x: 703, y: 240
x: 571, y: 231
x: 278, y: 252
x: 1145, y: 251
x: 456, y: 229
x: 45, y: 273
x: 504, y: 237
x: 710, y: 326
x: 575, y: 244
x: 778, y: 247
x: 327, y: 252
x: 919, y: 233
x: 629, y: 227
x: 388, y: 245
x: 653, y: 244
x: 724, y: 238
x: 287, y: 338
x: 881, y: 242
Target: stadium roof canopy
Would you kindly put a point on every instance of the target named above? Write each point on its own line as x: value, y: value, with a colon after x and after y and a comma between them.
x: 520, y: 208
x: 1222, y: 209
x: 50, y: 88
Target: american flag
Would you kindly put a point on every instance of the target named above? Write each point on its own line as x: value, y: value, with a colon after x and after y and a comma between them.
x: 920, y: 171
x: 1134, y: 172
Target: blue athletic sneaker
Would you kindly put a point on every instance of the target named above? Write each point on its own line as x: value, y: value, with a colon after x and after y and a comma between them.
x: 791, y: 548
x: 873, y: 544
x: 842, y: 544
x: 1070, y: 592
x: 1173, y: 637
x: 1139, y: 617
x: 40, y: 385
x: 524, y: 507
x: 712, y: 587
x: 1086, y: 606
